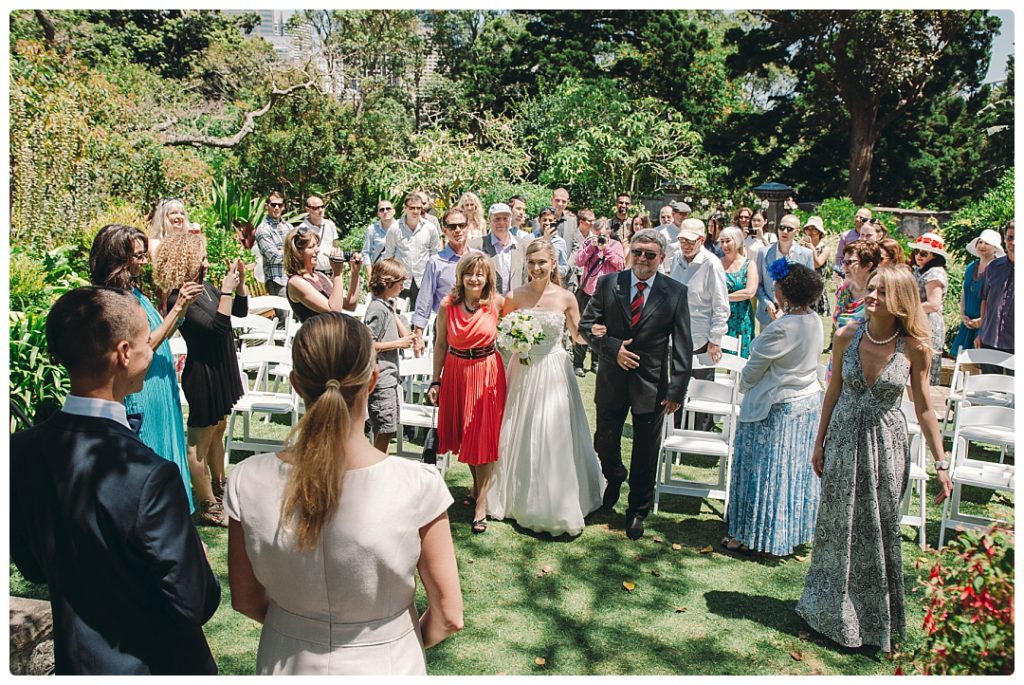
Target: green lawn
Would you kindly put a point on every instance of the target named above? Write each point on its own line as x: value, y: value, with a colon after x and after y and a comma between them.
x: 529, y: 597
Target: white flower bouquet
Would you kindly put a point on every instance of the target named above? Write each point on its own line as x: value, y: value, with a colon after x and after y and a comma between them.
x: 519, y: 332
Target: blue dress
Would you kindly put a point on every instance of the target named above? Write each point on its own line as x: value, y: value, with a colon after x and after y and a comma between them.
x: 965, y: 336
x: 163, y: 425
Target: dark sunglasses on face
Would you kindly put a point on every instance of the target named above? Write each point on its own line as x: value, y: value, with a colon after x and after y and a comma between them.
x: 455, y: 225
x: 276, y: 204
x: 787, y: 229
x: 313, y: 208
x: 649, y: 255
x: 385, y: 209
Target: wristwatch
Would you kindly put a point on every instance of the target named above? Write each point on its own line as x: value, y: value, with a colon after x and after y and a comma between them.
x: 942, y: 465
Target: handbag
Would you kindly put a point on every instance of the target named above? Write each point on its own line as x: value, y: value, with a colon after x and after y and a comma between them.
x: 430, y: 443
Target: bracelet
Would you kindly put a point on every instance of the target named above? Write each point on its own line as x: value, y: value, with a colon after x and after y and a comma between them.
x: 942, y: 465
x: 226, y: 294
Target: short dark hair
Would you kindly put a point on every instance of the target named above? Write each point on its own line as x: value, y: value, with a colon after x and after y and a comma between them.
x: 275, y: 193
x: 86, y: 324
x: 868, y: 253
x: 801, y: 286
x: 110, y: 256
x: 623, y: 194
x: 1009, y: 226
x: 516, y: 197
x: 453, y: 210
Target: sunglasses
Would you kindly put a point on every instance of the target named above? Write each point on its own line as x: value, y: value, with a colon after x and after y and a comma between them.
x: 850, y: 262
x: 787, y: 229
x: 276, y: 204
x: 649, y: 255
x: 456, y: 225
x: 416, y: 208
x: 385, y: 209
x: 313, y: 208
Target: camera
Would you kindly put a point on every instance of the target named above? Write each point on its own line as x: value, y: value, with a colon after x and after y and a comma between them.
x: 342, y: 255
x: 601, y: 240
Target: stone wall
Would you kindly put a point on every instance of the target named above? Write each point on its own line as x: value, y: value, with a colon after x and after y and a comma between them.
x: 31, y: 637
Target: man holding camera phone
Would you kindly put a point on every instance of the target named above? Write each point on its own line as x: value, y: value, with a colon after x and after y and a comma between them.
x: 598, y: 255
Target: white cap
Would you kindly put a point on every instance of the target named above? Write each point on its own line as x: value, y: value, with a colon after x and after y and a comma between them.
x: 692, y: 229
x: 499, y: 208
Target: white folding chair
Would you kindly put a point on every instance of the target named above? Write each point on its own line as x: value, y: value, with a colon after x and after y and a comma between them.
x: 413, y: 414
x: 360, y: 310
x: 676, y: 442
x: 730, y: 345
x: 970, y: 357
x: 991, y: 425
x: 918, y: 476
x: 255, y: 401
x: 178, y: 350
x: 254, y: 329
x: 263, y: 303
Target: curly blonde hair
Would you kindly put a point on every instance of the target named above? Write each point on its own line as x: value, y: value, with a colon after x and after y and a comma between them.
x: 178, y: 260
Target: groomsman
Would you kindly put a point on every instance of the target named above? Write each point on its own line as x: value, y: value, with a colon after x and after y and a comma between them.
x: 99, y: 517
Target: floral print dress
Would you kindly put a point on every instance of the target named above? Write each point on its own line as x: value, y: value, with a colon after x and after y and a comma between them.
x: 741, y: 314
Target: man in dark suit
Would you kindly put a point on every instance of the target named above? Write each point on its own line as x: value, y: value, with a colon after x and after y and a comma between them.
x: 99, y: 517
x: 638, y: 322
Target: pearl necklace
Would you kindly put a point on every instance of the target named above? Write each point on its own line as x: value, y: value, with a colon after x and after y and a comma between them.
x: 867, y: 332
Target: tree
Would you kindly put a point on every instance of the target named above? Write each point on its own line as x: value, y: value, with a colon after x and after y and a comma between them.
x: 876, y: 65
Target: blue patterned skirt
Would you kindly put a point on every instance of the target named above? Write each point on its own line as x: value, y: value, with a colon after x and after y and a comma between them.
x: 773, y: 491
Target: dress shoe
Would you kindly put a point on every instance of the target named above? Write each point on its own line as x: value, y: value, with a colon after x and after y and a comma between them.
x: 611, y: 494
x: 634, y: 526
x: 593, y: 368
x: 579, y: 371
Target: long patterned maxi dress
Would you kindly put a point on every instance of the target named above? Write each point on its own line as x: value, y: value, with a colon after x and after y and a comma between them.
x: 741, y: 314
x: 854, y: 589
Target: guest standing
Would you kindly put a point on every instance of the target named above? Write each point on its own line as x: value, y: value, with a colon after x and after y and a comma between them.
x: 854, y: 589
x: 373, y: 241
x: 787, y: 247
x: 270, y: 236
x: 986, y: 247
x: 309, y: 291
x: 210, y: 378
x: 600, y: 255
x: 930, y: 271
x: 997, y: 300
x: 473, y: 210
x: 325, y: 536
x: 814, y: 240
x: 412, y: 242
x: 99, y: 518
x: 741, y: 282
x: 116, y: 259
x: 892, y: 253
x: 773, y: 493
x: 716, y: 223
x: 469, y: 380
x: 169, y: 218
x: 756, y: 237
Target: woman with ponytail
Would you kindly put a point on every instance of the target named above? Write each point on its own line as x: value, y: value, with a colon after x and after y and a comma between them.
x: 324, y: 538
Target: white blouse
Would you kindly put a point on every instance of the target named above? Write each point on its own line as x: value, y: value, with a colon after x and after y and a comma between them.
x: 783, y: 364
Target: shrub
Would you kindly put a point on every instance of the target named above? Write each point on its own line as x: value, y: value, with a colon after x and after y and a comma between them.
x: 991, y: 211
x: 969, y: 620
x: 35, y: 378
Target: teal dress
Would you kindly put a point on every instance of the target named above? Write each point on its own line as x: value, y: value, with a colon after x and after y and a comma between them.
x: 741, y: 314
x: 965, y: 336
x: 163, y: 425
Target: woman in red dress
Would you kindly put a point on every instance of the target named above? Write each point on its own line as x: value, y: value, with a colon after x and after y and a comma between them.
x: 469, y: 378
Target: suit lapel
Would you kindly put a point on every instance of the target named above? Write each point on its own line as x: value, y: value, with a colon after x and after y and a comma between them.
x: 623, y: 293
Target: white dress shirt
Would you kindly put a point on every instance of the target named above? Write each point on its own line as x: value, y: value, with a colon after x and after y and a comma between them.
x: 707, y: 294
x: 412, y: 247
x: 670, y: 232
x: 783, y: 364
x: 96, y: 408
x: 328, y: 233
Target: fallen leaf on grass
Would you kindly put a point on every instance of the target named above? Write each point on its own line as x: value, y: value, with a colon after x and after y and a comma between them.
x: 656, y: 538
x: 800, y: 558
x: 546, y: 568
x: 677, y: 547
x: 707, y: 550
x: 638, y: 557
x: 629, y: 585
x: 680, y: 610
x: 655, y: 572
x: 797, y: 656
x: 540, y: 661
x: 469, y: 561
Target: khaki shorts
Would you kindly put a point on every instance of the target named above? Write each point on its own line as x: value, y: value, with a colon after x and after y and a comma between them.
x: 384, y: 410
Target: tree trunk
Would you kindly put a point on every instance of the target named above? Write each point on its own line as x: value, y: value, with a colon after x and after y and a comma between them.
x: 863, y: 137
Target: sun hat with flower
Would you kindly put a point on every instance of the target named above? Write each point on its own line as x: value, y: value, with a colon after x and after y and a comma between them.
x: 931, y: 242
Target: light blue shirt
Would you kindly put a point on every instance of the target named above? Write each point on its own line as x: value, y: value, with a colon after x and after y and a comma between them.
x: 438, y: 281
x: 766, y: 284
x: 633, y: 280
x: 373, y: 243
x: 96, y: 408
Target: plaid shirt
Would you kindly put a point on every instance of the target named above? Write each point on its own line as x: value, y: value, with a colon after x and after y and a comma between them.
x: 270, y: 239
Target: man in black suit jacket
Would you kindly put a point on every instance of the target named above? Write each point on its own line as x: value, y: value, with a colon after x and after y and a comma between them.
x: 642, y: 335
x: 99, y: 517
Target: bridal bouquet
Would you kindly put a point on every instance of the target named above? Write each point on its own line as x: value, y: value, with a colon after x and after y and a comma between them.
x: 519, y: 332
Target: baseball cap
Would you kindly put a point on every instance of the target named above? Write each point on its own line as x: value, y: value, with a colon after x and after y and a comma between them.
x: 499, y: 208
x: 692, y: 229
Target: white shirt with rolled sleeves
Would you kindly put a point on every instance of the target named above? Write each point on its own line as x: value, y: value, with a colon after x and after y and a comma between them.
x: 708, y: 296
x: 412, y: 247
x: 783, y: 365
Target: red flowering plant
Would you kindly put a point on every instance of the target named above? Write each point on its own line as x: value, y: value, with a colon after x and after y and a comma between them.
x: 968, y: 624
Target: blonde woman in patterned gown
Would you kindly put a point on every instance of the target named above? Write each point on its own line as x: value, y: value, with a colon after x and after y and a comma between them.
x: 854, y: 589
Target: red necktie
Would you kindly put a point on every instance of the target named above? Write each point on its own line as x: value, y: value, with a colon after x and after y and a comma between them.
x: 636, y: 307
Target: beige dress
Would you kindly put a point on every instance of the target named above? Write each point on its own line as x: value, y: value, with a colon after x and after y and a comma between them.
x: 347, y: 606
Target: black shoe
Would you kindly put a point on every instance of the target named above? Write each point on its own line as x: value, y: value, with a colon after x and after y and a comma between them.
x: 634, y: 526
x: 611, y: 494
x: 593, y: 368
x: 579, y: 371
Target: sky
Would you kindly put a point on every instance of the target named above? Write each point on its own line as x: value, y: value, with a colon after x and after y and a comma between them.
x: 1002, y: 47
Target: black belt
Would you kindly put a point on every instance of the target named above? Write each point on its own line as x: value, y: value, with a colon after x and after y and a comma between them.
x: 473, y: 352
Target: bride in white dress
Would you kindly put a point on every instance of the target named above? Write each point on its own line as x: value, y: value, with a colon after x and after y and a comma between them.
x: 548, y: 476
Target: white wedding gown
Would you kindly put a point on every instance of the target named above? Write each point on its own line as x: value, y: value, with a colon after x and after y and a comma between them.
x: 548, y: 476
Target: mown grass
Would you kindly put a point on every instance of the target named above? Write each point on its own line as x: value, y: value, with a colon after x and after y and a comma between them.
x: 530, y: 596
